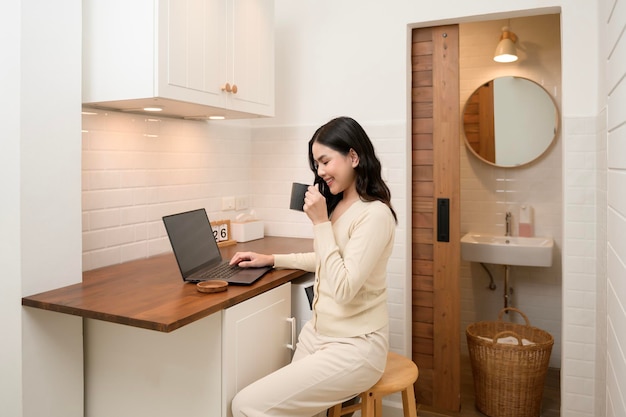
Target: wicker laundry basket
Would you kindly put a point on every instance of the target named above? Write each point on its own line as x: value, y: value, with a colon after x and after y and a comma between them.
x: 508, y: 378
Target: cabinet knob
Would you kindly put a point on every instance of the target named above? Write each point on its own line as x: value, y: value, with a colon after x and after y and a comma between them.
x: 227, y: 87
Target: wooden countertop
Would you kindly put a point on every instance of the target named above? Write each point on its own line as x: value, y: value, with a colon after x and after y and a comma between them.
x: 150, y: 293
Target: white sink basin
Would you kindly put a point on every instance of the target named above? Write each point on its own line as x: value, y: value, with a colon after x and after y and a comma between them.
x: 507, y: 250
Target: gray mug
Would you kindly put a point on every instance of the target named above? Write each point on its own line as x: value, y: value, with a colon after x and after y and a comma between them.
x: 297, y: 196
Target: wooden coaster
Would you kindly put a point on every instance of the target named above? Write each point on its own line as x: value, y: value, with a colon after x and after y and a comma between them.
x: 212, y: 286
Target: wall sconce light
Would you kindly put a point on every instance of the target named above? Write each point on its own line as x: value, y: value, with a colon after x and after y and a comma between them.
x: 506, y: 50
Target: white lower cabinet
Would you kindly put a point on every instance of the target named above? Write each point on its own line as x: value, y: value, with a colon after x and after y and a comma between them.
x: 132, y: 372
x: 194, y: 371
x: 257, y: 335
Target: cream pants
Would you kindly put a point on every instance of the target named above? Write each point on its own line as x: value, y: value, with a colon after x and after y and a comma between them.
x: 324, y: 371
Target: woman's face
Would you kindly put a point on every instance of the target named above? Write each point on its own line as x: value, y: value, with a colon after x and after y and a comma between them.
x: 336, y: 169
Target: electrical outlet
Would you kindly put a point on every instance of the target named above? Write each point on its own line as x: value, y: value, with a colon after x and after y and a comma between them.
x: 228, y: 203
x: 241, y: 203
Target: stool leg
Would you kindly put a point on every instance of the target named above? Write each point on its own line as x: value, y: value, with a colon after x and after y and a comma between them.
x: 335, y: 411
x: 408, y: 402
x: 368, y: 406
x: 378, y: 404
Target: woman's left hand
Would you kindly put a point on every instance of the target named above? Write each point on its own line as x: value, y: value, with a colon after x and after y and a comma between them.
x: 315, y: 205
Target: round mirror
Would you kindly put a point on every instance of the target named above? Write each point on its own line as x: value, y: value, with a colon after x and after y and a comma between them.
x: 510, y: 121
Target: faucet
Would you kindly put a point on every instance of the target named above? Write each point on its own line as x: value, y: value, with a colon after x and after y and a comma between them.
x: 507, y: 219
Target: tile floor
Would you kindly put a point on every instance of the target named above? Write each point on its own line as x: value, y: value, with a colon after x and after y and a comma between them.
x: 550, y: 406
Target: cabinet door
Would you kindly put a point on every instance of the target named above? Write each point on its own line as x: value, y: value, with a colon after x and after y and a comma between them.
x: 118, y: 50
x: 180, y: 55
x: 193, y: 50
x: 256, y: 335
x: 145, y: 373
x: 206, y: 44
x: 252, y: 56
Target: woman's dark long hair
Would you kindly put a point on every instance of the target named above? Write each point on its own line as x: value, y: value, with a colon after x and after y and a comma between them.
x: 342, y: 134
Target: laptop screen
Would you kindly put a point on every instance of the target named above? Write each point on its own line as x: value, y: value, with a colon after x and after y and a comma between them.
x: 192, y: 240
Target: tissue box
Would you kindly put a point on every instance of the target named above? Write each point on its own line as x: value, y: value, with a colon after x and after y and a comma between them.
x: 246, y: 231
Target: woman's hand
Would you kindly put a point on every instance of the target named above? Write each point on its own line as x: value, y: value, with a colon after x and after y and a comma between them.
x: 315, y: 205
x: 252, y: 259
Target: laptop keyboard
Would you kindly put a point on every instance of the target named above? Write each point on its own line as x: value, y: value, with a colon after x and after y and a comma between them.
x: 222, y: 271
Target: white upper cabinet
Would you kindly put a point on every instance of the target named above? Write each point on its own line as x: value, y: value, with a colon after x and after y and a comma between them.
x: 192, y: 58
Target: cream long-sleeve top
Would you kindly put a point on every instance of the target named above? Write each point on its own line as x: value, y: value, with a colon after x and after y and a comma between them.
x: 350, y: 264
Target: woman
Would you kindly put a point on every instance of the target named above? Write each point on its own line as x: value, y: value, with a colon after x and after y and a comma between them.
x: 342, y: 350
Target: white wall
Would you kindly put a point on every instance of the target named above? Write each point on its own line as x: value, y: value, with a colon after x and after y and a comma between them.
x: 50, y: 202
x: 41, y: 365
x: 10, y: 270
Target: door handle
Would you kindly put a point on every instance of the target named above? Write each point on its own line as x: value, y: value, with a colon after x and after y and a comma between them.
x: 292, y: 345
x: 443, y: 220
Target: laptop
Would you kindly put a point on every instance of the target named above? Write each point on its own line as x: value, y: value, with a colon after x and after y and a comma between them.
x: 197, y: 254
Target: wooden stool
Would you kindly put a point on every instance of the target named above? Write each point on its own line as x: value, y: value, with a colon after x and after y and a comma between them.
x: 400, y: 375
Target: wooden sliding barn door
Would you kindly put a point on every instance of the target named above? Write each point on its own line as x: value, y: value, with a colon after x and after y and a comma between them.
x: 435, y: 215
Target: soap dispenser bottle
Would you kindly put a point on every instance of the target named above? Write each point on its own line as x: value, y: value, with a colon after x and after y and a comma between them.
x: 526, y: 221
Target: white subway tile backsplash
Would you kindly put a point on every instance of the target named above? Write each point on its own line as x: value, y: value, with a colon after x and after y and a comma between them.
x: 157, y: 246
x: 104, y: 219
x: 93, y: 240
x: 140, y: 231
x: 396, y: 310
x: 577, y: 405
x: 138, y: 169
x: 133, y: 251
x: 104, y: 180
x: 577, y: 298
x: 582, y: 317
x: 580, y: 368
x: 396, y: 295
x: 579, y: 351
x: 133, y: 215
x: 121, y: 236
x: 582, y: 386
x: 615, y: 404
x: 102, y: 257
